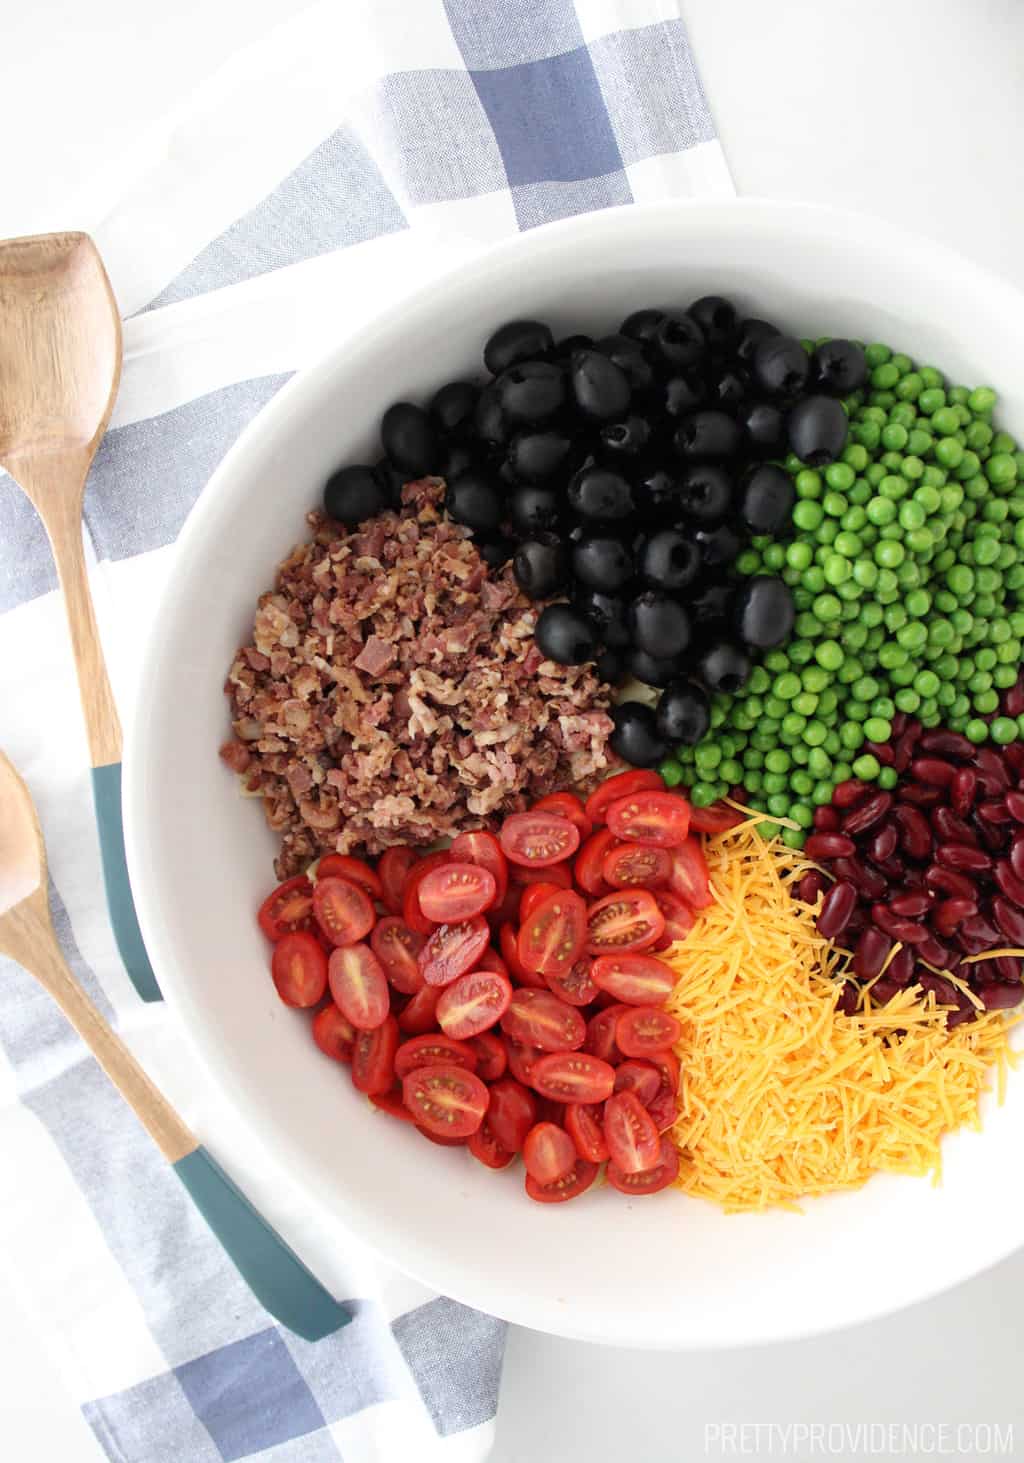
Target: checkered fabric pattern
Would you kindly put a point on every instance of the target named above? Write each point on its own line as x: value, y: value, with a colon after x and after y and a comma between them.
x: 354, y: 154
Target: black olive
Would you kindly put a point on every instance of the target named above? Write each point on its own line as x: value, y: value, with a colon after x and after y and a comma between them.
x: 474, y: 499
x: 751, y: 333
x: 539, y: 566
x: 669, y: 560
x: 565, y: 635
x: 642, y: 325
x: 533, y: 457
x: 680, y: 341
x: 452, y: 408
x: 766, y: 499
x: 681, y: 395
x: 817, y: 428
x: 531, y: 393
x: 764, y: 612
x: 602, y: 562
x: 629, y: 357
x: 571, y: 344
x: 683, y: 713
x: 708, y: 435
x: 712, y: 606
x: 408, y: 437
x: 458, y: 459
x: 353, y: 494
x: 600, y: 388
x: 392, y: 480
x: 658, y: 494
x: 718, y: 320
x: 627, y: 438
x: 600, y: 494
x: 533, y: 511
x: 765, y: 428
x: 724, y: 667
x: 488, y: 421
x: 781, y: 366
x: 839, y: 367
x: 607, y: 613
x: 635, y: 738
x: 495, y: 552
x: 653, y: 670
x: 519, y: 340
x: 705, y: 492
x: 718, y: 547
x: 611, y: 667
x: 730, y: 388
x: 659, y: 625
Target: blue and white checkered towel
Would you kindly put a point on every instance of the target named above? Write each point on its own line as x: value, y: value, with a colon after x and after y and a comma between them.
x: 353, y: 154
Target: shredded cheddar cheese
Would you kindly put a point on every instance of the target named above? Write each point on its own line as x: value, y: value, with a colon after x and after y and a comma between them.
x: 783, y: 1096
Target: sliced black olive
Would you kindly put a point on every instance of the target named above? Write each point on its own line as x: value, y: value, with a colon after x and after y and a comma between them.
x: 601, y: 561
x: 764, y: 425
x: 600, y: 388
x: 474, y: 499
x: 750, y: 335
x: 540, y: 566
x: 534, y: 510
x: 353, y: 494
x: 705, y: 492
x: 600, y: 494
x: 408, y: 438
x: 681, y: 395
x: 724, y: 667
x: 627, y: 438
x: 817, y: 427
x: 452, y: 408
x: 708, y: 436
x: 531, y: 393
x: 683, y: 713
x: 570, y: 344
x: 635, y: 738
x: 766, y: 499
x: 629, y: 357
x: 533, y: 457
x: 781, y: 366
x: 680, y: 341
x: 718, y: 320
x: 764, y: 612
x: 669, y: 560
x: 607, y: 613
x: 729, y: 389
x: 565, y: 635
x: 642, y: 325
x: 839, y: 367
x: 488, y: 422
x: 659, y: 625
x: 519, y: 340
x: 653, y: 670
x: 718, y: 546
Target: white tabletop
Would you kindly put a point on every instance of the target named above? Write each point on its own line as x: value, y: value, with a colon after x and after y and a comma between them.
x: 910, y: 109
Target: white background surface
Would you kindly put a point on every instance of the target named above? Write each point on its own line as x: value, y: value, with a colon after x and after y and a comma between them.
x: 910, y: 109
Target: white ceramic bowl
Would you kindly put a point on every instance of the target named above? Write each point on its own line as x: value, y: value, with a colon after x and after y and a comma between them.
x: 664, y: 1272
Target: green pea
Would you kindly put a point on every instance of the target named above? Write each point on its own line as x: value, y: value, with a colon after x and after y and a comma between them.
x: 703, y: 794
x: 827, y: 608
x: 798, y: 555
x: 889, y: 554
x: 982, y: 398
x: 877, y: 729
x: 986, y: 702
x: 907, y: 700
x: 1001, y: 469
x: 829, y: 655
x: 807, y: 516
x: 837, y: 570
x: 808, y: 483
x: 911, y: 514
x: 926, y: 683
x: 806, y: 703
x: 671, y: 773
x: 866, y: 768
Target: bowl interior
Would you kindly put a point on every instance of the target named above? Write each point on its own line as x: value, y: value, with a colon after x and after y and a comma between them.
x: 665, y: 1272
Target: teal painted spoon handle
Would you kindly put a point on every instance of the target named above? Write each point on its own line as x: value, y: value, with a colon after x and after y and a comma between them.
x: 106, y: 791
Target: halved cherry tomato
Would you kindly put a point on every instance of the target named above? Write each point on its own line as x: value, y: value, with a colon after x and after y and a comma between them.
x: 664, y: 1106
x: 287, y: 908
x: 629, y: 919
x: 538, y: 839
x: 537, y: 1018
x: 512, y: 1113
x: 393, y: 868
x: 629, y: 1131
x: 411, y: 911
x: 396, y: 946
x: 661, y: 818
x: 679, y: 918
x: 342, y: 866
x: 433, y: 1050
x: 473, y: 1003
x: 639, y: 980
x: 334, y: 1034
x: 574, y: 985
x: 552, y: 937
x: 391, y: 1103
x: 491, y: 1055
x: 558, y: 874
x: 420, y: 1015
x: 566, y: 805
x: 622, y: 785
x: 299, y: 968
x: 455, y: 892
x: 486, y: 1149
x: 583, y: 1124
x: 640, y: 1077
x: 576, y: 1181
x: 509, y: 943
x: 533, y: 895
x: 548, y: 1152
x: 343, y: 911
x: 572, y: 1077
x: 689, y: 877
x: 521, y: 1058
x: 589, y: 865
x: 483, y: 848
x: 438, y: 1139
x: 373, y: 1058
x: 451, y: 950
x: 447, y: 1101
x: 628, y: 864
x: 359, y: 986
x: 646, y: 1029
x: 715, y: 818
x: 650, y: 1180
x: 600, y: 1040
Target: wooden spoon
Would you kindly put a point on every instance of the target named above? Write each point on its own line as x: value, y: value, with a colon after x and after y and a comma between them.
x: 276, y: 1276
x: 60, y: 364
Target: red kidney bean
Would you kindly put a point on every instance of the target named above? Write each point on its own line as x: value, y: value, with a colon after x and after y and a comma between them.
x: 869, y: 956
x: 962, y: 791
x: 979, y: 927
x: 836, y: 910
x: 891, y: 868
x: 936, y: 953
x: 993, y: 836
x: 857, y: 923
x: 829, y: 845
x: 810, y: 886
x: 995, y: 810
x: 826, y: 818
x: 981, y: 972
x: 1000, y: 997
x: 1009, y: 919
x: 904, y: 745
x: 1008, y: 967
x: 1013, y: 756
x: 899, y: 723
x: 910, y: 903
x: 866, y: 814
x: 945, y: 991
x: 1013, y: 699
x: 905, y: 930
x: 947, y: 744
x: 849, y: 999
x: 915, y: 834
x: 847, y: 794
x: 883, y: 990
x: 921, y: 794
x: 902, y: 966
x: 870, y: 883
x: 951, y: 829
x: 963, y: 858
x: 991, y: 772
x: 883, y: 751
x: 1015, y: 806
x: 933, y: 770
x: 1017, y: 855
x: 883, y: 843
x: 950, y: 913
x: 1010, y: 885
x: 945, y: 881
